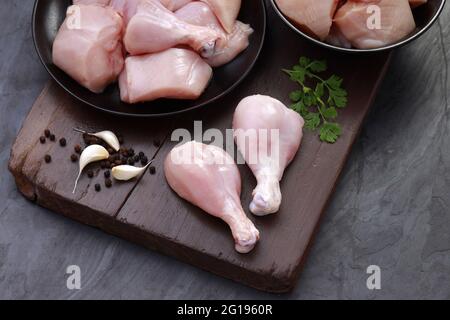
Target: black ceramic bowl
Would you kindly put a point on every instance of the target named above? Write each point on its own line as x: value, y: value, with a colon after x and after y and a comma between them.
x: 424, y: 15
x: 48, y: 16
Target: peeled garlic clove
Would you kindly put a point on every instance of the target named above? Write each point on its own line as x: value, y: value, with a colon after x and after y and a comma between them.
x: 125, y: 173
x: 91, y: 154
x: 108, y: 136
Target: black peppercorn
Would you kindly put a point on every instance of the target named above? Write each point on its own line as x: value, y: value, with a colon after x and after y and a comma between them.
x: 131, y: 161
x: 62, y: 142
x: 141, y: 155
x: 131, y: 152
x: 144, y: 161
x: 48, y: 158
x: 47, y: 133
x: 98, y: 187
x: 152, y: 170
x: 77, y: 148
x: 103, y: 164
x: 107, y: 174
x: 74, y: 158
x: 136, y: 158
x: 42, y: 139
x: 52, y: 137
x: 111, y: 150
x: 108, y: 183
x: 90, y: 174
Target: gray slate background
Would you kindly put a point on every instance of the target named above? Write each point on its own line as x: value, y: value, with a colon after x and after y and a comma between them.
x: 391, y: 208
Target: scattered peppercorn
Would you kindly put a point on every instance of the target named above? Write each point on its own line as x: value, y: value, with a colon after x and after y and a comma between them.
x: 90, y: 174
x: 77, y: 148
x: 136, y: 158
x: 131, y: 152
x: 48, y: 158
x: 103, y: 164
x: 47, y: 133
x: 108, y: 183
x: 74, y: 158
x: 144, y: 161
x: 42, y: 139
x: 141, y: 155
x: 62, y: 142
x: 107, y: 174
x: 152, y: 170
x: 98, y: 187
x: 110, y: 150
x: 52, y: 137
x: 131, y: 161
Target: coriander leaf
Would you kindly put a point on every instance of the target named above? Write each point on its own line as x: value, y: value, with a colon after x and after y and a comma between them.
x: 330, y: 113
x: 312, y: 120
x: 320, y: 91
x: 318, y: 66
x: 341, y: 102
x: 300, y: 108
x: 330, y: 132
x: 334, y: 82
x: 309, y: 99
x: 296, y: 95
x: 304, y: 62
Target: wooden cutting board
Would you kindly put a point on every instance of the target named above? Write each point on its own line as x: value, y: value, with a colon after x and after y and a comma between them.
x: 149, y: 213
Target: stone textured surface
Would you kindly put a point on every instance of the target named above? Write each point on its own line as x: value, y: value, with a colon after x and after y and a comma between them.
x: 391, y: 208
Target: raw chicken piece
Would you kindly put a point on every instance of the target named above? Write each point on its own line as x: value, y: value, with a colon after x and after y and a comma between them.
x: 416, y: 3
x: 174, y: 73
x: 126, y: 8
x: 100, y: 2
x: 200, y: 14
x: 397, y: 22
x: 313, y: 16
x: 336, y: 38
x: 91, y: 54
x: 256, y: 120
x: 226, y: 11
x: 208, y: 177
x: 154, y: 28
x: 174, y: 5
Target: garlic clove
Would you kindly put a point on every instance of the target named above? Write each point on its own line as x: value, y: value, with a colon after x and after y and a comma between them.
x: 108, y: 136
x: 126, y: 172
x: 91, y: 154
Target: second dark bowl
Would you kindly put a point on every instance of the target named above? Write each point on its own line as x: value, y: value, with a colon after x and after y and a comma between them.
x: 425, y: 16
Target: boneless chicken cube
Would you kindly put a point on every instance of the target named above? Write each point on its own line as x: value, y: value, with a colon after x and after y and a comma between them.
x: 174, y: 73
x: 88, y: 46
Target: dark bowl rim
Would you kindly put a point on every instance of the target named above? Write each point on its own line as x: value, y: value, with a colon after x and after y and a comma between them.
x: 159, y: 115
x: 353, y: 50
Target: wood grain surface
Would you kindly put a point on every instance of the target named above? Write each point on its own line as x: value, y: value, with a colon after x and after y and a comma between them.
x: 149, y: 213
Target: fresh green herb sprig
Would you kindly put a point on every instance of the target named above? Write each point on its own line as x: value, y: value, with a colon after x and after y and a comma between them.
x: 318, y: 104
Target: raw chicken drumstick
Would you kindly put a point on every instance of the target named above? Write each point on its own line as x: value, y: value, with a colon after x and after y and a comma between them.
x: 208, y: 177
x: 154, y: 28
x: 268, y: 135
